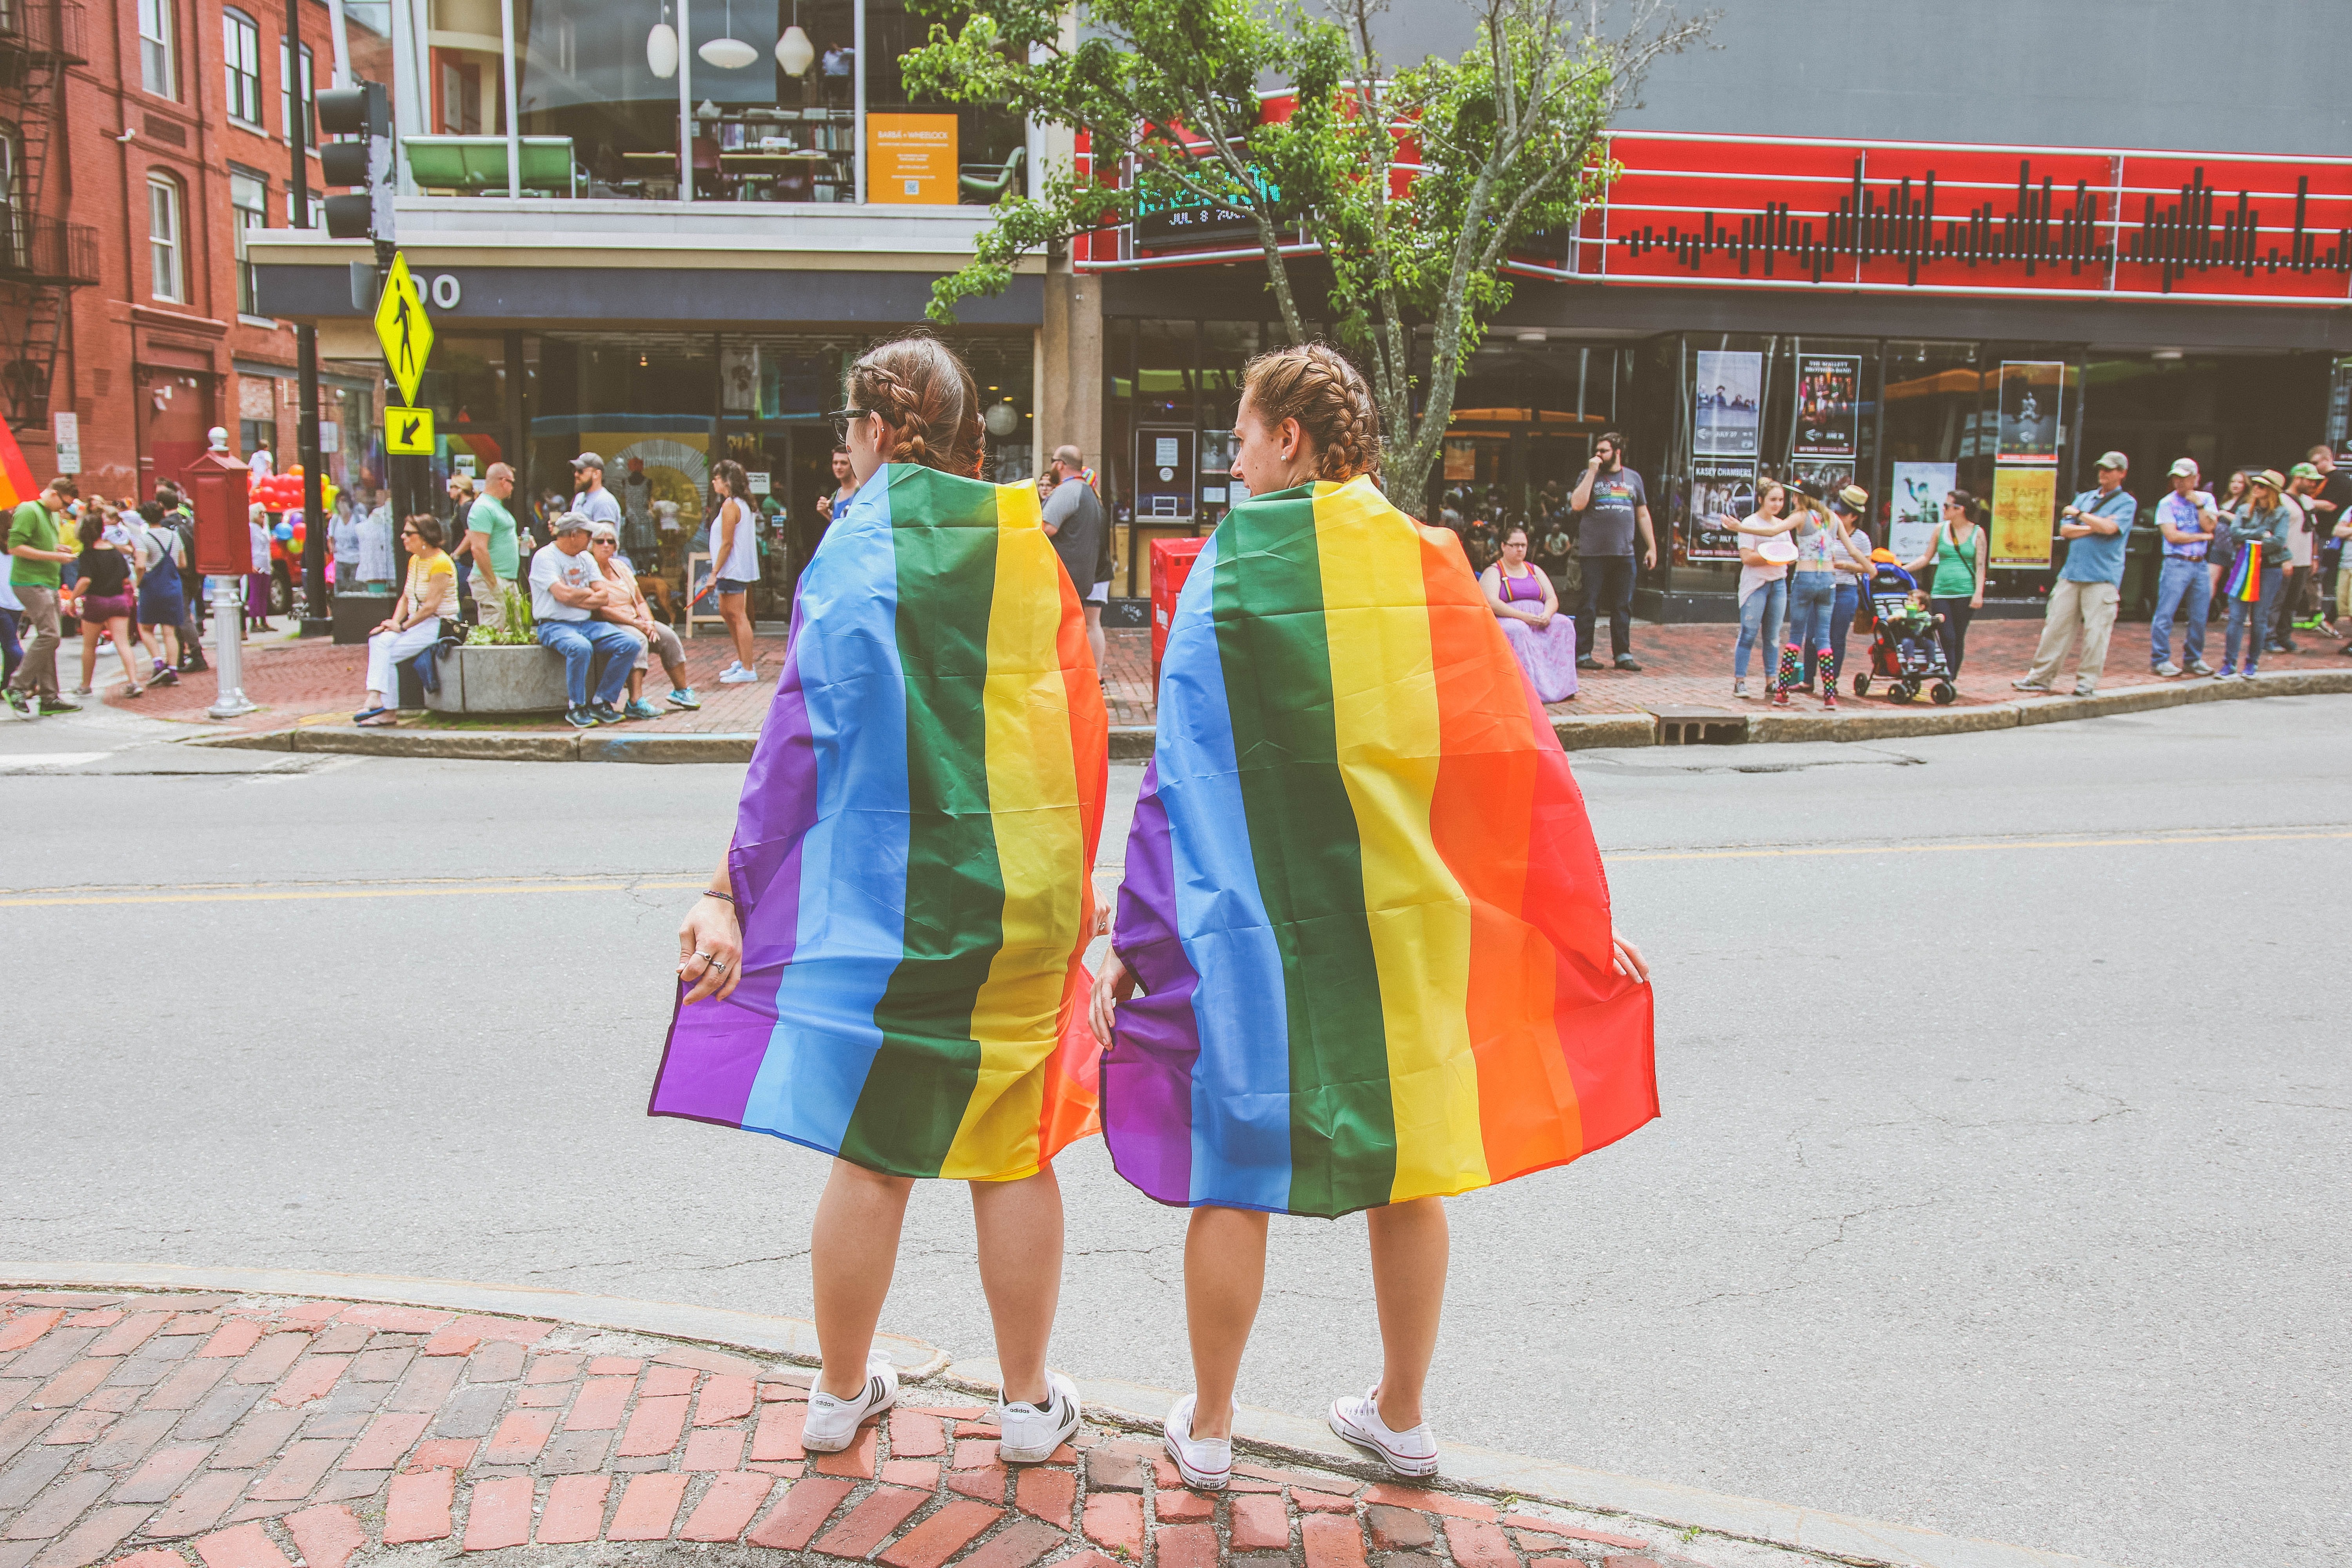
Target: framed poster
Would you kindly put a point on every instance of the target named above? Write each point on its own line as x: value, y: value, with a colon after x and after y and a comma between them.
x: 2024, y: 506
x: 2030, y: 394
x: 1917, y: 506
x: 911, y: 159
x: 1829, y: 415
x: 1824, y: 477
x: 1722, y: 492
x: 1725, y: 403
x: 738, y: 378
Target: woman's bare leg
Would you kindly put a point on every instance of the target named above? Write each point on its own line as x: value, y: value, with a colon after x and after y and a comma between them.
x: 737, y: 609
x: 124, y: 645
x: 853, y: 1250
x: 1410, y: 1247
x: 1224, y: 1279
x: 1019, y: 1226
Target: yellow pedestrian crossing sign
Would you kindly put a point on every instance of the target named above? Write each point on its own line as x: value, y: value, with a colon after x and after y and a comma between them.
x: 404, y: 329
x: 408, y: 432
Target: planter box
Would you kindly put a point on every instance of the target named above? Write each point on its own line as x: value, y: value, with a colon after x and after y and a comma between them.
x: 520, y: 678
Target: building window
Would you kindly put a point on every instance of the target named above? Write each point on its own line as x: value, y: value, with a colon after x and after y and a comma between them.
x: 166, y: 280
x: 11, y: 196
x: 285, y: 104
x: 241, y: 49
x: 460, y: 87
x: 159, y: 71
x: 318, y: 218
x: 248, y: 199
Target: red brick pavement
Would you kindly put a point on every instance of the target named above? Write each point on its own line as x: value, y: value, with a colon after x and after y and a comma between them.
x: 217, y: 1431
x: 299, y: 682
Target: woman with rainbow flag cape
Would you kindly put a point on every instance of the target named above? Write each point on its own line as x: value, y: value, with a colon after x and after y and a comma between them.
x: 889, y: 965
x: 1364, y: 908
x: 2259, y: 529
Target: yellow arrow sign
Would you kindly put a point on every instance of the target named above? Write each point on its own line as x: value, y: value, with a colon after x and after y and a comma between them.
x: 408, y: 432
x: 403, y: 329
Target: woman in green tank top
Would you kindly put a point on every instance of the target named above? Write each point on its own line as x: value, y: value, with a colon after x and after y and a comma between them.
x: 1957, y: 553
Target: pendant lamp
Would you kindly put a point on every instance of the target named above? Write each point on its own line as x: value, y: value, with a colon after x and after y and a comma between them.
x: 730, y: 53
x: 794, y: 52
x: 661, y: 48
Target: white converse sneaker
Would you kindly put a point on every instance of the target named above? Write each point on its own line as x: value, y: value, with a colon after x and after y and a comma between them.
x: 832, y: 1424
x: 738, y: 676
x: 1413, y: 1453
x: 1029, y: 1433
x: 1205, y: 1463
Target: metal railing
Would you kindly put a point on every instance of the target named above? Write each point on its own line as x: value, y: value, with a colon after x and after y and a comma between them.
x: 50, y: 28
x: 47, y: 249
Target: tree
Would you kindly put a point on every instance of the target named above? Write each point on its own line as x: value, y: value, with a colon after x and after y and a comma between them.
x: 1416, y: 186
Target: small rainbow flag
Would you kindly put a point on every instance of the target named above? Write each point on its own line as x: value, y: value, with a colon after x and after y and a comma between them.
x: 914, y: 854
x: 2246, y: 574
x: 1361, y: 895
x: 17, y: 484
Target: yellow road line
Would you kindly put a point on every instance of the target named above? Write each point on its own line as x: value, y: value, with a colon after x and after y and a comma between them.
x: 2118, y: 841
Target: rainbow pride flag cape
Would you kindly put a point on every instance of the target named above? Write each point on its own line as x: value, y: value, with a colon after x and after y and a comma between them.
x: 2246, y: 574
x: 1361, y: 895
x: 17, y: 484
x: 913, y: 857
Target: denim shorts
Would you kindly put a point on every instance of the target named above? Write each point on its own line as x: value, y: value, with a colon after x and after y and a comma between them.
x: 729, y: 585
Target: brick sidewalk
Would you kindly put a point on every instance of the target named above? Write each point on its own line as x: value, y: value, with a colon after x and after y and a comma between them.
x: 172, y: 1431
x: 299, y: 682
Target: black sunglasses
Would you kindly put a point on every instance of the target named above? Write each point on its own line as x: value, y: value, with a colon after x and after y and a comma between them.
x: 843, y: 419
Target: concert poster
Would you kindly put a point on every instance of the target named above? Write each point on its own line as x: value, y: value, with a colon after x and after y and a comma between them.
x: 1917, y: 504
x: 1824, y: 477
x: 2024, y: 506
x: 1726, y: 401
x: 2030, y: 393
x: 1722, y: 492
x: 1829, y: 413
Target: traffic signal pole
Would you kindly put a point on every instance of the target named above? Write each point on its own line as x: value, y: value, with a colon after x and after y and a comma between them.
x: 318, y: 614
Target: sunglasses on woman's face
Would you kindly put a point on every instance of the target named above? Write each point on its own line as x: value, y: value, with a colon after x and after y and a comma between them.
x: 410, y: 533
x: 843, y: 419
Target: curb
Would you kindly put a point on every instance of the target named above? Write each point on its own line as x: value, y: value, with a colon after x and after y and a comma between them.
x: 1577, y: 732
x: 1867, y: 1543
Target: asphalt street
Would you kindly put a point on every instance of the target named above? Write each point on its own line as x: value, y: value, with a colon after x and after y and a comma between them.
x: 2000, y: 1189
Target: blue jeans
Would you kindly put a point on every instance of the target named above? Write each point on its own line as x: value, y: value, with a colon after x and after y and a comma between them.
x: 1841, y: 611
x: 2182, y: 584
x: 1761, y: 615
x: 12, y: 652
x: 580, y: 642
x: 2260, y: 613
x: 1812, y: 597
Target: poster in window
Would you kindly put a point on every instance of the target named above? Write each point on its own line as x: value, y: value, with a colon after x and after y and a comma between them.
x: 911, y: 159
x: 2031, y: 392
x: 738, y: 378
x: 1917, y: 506
x: 1824, y: 477
x: 1726, y: 398
x: 1722, y: 492
x: 2025, y: 503
x: 1829, y: 413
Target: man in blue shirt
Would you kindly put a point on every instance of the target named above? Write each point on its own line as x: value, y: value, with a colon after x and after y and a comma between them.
x: 2083, y: 600
x: 2186, y: 519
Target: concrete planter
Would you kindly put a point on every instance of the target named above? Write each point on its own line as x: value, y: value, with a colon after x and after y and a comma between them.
x: 518, y: 678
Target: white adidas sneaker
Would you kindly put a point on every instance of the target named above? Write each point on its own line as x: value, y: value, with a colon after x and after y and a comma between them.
x: 832, y: 1424
x: 1028, y: 1434
x: 1205, y: 1463
x: 1413, y: 1453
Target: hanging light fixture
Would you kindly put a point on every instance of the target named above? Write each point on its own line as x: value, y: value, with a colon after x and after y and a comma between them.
x: 1002, y: 420
x: 661, y: 48
x: 793, y: 50
x: 730, y: 53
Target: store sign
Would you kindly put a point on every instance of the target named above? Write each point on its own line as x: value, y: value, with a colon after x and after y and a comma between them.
x: 911, y: 159
x: 66, y: 428
x: 1780, y: 212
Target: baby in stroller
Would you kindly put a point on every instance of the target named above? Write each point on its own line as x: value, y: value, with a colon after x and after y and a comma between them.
x: 1905, y: 652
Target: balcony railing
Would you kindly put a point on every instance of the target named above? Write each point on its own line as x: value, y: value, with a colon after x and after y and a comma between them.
x: 39, y: 28
x: 35, y: 249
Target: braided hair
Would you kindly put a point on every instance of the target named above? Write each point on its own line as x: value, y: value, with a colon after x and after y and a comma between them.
x: 1315, y: 385
x: 917, y: 387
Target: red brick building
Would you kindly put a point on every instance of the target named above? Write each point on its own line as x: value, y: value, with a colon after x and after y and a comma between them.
x: 140, y: 137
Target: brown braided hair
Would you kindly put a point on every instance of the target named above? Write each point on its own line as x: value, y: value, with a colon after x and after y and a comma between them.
x: 917, y: 387
x: 1315, y: 385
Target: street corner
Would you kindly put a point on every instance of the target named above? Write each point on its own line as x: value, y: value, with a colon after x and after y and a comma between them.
x: 218, y: 1429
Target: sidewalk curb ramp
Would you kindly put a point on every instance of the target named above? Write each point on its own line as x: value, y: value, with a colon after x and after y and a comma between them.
x: 1578, y: 732
x: 1504, y: 1478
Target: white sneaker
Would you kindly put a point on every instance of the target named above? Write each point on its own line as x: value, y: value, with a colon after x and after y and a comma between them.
x: 1029, y: 1433
x: 1205, y: 1463
x: 832, y: 1424
x: 738, y: 675
x: 732, y: 665
x: 1413, y: 1453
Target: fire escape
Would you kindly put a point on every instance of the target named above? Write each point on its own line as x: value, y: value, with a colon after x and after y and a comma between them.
x: 43, y: 258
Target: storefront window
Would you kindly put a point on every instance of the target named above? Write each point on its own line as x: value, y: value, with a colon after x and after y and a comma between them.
x: 1523, y: 424
x: 597, y: 100
x: 774, y: 101
x: 927, y: 153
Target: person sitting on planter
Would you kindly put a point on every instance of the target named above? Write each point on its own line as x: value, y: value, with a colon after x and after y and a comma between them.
x: 567, y: 589
x: 629, y: 608
x: 415, y: 623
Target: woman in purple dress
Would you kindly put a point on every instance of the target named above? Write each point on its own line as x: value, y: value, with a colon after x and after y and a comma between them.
x: 1543, y: 639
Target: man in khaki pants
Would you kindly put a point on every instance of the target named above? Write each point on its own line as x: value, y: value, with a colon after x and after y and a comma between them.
x: 37, y: 554
x: 2083, y: 600
x: 490, y: 537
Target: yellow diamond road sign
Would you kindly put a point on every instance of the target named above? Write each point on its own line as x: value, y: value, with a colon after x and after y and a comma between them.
x: 408, y: 432
x: 401, y: 326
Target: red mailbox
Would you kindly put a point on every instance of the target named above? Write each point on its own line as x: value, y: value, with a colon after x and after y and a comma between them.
x: 216, y: 483
x: 1172, y: 562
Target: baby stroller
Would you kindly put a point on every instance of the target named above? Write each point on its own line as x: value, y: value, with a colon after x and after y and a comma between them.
x: 1905, y: 660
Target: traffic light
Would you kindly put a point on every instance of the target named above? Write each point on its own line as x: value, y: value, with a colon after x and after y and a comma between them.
x: 362, y: 112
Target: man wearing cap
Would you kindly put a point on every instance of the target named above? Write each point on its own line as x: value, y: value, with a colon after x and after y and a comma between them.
x: 591, y: 499
x: 2083, y: 600
x: 2185, y: 517
x: 567, y: 589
